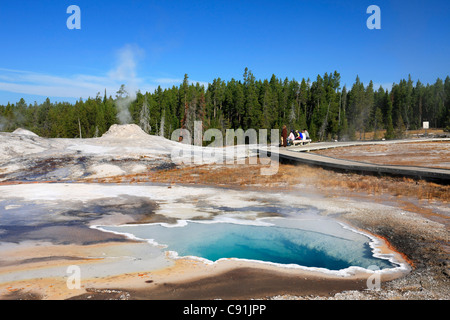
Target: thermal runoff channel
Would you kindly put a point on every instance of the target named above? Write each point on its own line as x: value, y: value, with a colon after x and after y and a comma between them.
x: 319, y: 243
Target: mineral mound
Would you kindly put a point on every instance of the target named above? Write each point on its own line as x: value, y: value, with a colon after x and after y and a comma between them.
x: 125, y: 131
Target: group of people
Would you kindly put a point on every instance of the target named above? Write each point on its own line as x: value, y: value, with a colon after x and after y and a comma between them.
x: 293, y: 135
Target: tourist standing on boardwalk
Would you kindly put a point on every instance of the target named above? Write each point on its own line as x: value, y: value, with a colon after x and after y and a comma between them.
x: 284, y: 136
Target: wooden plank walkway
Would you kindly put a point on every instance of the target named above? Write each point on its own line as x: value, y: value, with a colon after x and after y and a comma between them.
x: 330, y: 145
x: 301, y: 154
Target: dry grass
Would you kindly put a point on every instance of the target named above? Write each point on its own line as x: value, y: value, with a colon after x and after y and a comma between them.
x: 290, y: 177
x: 398, y: 187
x: 424, y: 154
x: 408, y: 133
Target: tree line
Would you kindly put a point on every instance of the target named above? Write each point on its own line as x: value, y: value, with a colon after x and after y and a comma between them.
x: 327, y: 110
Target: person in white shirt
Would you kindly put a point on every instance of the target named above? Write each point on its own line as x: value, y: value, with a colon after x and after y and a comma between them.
x: 306, y: 134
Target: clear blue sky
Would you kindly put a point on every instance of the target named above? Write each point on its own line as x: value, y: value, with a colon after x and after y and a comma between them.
x: 149, y: 43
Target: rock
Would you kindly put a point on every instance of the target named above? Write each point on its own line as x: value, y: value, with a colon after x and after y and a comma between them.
x: 125, y: 131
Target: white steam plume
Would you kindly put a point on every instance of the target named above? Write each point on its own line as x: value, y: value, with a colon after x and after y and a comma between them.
x: 125, y: 72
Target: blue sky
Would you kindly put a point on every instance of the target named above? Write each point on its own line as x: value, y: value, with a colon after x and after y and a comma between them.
x: 144, y: 44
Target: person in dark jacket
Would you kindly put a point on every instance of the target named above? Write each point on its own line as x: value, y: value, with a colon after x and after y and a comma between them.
x: 284, y: 136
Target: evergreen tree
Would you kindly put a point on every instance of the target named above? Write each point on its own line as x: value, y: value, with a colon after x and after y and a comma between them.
x: 253, y: 115
x: 447, y: 104
x: 320, y: 106
x: 368, y: 108
x: 389, y: 123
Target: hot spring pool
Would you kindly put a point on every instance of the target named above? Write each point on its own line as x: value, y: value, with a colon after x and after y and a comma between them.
x: 315, y: 243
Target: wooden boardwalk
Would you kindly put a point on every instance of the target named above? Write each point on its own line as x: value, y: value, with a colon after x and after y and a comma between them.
x: 301, y: 154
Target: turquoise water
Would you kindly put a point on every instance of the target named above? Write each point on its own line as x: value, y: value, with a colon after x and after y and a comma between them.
x: 309, y: 243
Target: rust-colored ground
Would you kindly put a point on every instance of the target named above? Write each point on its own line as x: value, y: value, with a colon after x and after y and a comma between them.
x: 288, y: 177
x: 423, y: 247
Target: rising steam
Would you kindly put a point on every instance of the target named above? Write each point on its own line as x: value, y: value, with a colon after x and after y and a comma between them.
x: 125, y: 72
